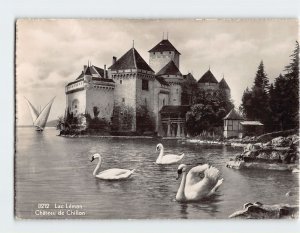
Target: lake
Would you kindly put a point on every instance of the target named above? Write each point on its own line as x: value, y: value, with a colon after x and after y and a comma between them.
x: 53, y: 172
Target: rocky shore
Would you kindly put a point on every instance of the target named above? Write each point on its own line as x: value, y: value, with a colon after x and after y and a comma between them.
x: 261, y: 211
x: 280, y: 153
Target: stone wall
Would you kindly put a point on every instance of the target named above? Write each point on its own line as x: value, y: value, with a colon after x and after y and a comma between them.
x: 158, y: 60
x: 161, y: 98
x: 103, y: 99
x: 73, y: 97
x: 125, y: 97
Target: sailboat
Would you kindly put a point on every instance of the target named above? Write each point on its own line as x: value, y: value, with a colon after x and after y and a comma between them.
x: 39, y: 119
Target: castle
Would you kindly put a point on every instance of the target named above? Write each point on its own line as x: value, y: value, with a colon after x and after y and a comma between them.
x: 130, y: 89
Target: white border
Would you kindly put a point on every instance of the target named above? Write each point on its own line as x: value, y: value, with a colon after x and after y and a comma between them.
x: 10, y: 10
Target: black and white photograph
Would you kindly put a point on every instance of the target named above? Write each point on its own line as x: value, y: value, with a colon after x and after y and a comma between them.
x: 156, y: 119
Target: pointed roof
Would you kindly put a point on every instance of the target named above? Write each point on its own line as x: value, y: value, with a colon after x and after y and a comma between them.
x: 223, y: 84
x: 87, y: 71
x: 208, y: 77
x: 131, y: 60
x: 164, y: 45
x: 100, y: 71
x: 161, y: 80
x: 233, y: 115
x: 189, y: 77
x: 169, y: 69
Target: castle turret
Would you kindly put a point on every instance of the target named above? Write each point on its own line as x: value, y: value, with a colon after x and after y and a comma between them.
x: 224, y: 86
x: 208, y: 82
x: 133, y: 89
x: 161, y: 54
x: 173, y: 77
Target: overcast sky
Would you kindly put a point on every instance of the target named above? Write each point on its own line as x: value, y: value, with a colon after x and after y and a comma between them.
x: 51, y: 53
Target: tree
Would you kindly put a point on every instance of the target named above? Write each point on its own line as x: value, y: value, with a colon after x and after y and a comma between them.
x: 189, y: 89
x: 292, y: 89
x: 208, y: 111
x: 261, y: 80
x: 255, y: 103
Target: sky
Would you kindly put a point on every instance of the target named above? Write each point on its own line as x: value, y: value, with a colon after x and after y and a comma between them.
x: 51, y: 53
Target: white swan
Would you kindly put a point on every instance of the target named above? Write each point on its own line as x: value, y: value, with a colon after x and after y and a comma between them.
x: 166, y: 159
x: 110, y: 174
x: 201, y: 182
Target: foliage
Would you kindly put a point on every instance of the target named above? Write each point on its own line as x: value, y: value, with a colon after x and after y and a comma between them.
x: 144, y: 122
x: 275, y: 105
x: 96, y: 111
x: 189, y: 89
x: 122, y: 118
x: 207, y: 111
x: 255, y: 102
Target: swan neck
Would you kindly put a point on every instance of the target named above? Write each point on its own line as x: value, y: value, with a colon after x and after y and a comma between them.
x: 180, y: 196
x: 97, y: 167
x: 161, y: 153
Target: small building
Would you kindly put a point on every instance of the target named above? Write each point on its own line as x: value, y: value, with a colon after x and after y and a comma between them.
x: 232, y: 126
x: 251, y: 128
x: 173, y: 120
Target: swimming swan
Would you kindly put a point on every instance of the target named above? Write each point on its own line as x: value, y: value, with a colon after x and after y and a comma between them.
x: 201, y: 182
x: 110, y: 174
x: 166, y: 159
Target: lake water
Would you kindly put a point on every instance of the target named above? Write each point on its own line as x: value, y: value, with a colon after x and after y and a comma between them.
x: 55, y: 170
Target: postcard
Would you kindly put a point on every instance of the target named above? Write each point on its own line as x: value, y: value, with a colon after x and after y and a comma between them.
x: 156, y: 119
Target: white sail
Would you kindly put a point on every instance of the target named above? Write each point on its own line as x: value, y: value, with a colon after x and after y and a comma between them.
x: 33, y: 112
x: 41, y: 121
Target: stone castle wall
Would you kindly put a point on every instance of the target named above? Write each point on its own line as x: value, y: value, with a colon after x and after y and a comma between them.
x: 158, y: 60
x: 103, y: 99
x: 125, y: 99
x: 76, y: 101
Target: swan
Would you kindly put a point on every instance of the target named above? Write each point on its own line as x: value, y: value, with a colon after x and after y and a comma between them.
x: 200, y: 182
x: 166, y: 159
x: 110, y: 174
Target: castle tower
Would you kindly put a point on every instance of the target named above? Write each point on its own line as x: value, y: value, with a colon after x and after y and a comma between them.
x: 83, y: 94
x: 208, y: 82
x: 134, y: 80
x: 224, y: 86
x: 173, y: 77
x: 161, y: 54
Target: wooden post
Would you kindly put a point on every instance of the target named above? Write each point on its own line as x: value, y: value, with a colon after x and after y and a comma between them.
x: 169, y: 129
x: 178, y: 130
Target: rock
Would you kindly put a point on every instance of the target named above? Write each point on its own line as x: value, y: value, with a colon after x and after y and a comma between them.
x: 235, y: 164
x: 271, y: 155
x: 281, y: 142
x: 261, y: 211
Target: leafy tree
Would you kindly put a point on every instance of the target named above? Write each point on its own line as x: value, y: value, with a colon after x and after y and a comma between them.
x: 208, y: 111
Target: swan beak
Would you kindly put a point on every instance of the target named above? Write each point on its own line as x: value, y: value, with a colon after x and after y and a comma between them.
x: 178, y: 174
x: 92, y: 159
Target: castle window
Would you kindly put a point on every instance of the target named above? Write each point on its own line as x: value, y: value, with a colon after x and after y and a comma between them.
x: 123, y: 100
x: 145, y: 85
x: 170, y: 52
x: 120, y: 81
x: 163, y: 102
x: 176, y: 90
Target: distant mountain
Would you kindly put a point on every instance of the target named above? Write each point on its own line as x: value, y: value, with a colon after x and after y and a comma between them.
x: 52, y: 123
